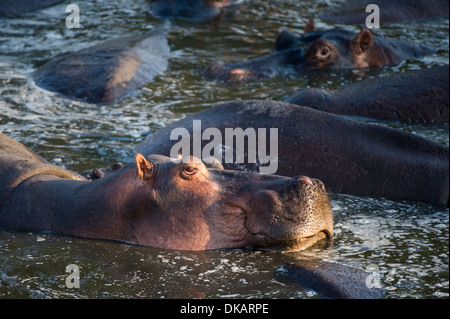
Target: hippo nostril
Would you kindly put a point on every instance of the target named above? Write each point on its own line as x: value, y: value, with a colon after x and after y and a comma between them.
x: 239, y: 71
x: 305, y: 179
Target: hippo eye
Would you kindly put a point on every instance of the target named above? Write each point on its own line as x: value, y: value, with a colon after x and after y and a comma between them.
x: 190, y: 170
x: 324, y: 52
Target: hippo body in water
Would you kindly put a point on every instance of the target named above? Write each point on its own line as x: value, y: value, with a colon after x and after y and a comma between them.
x: 331, y: 280
x: 354, y: 11
x: 11, y: 8
x: 348, y: 156
x: 324, y: 49
x: 191, y: 10
x: 106, y: 71
x: 161, y: 203
x: 415, y: 96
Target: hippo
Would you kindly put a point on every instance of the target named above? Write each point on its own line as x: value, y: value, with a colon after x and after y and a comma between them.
x: 349, y: 156
x: 325, y: 49
x: 191, y: 10
x: 107, y: 71
x: 163, y: 203
x: 414, y: 96
x: 12, y: 8
x: 332, y: 280
x: 354, y: 11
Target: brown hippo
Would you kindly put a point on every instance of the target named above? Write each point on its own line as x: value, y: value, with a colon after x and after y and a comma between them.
x: 324, y: 49
x: 162, y: 203
x: 106, y: 71
x: 415, y: 96
x: 354, y: 11
x: 348, y: 156
x: 11, y: 8
x: 191, y: 10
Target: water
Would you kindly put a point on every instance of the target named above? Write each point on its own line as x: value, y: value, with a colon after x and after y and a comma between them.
x: 408, y: 241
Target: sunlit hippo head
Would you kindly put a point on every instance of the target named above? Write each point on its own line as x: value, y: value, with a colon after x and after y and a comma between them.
x: 188, y: 206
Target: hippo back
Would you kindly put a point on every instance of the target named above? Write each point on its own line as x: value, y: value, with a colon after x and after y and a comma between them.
x: 106, y: 71
x: 18, y: 163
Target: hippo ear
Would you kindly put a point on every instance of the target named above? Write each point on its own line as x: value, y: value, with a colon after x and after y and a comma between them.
x: 144, y: 167
x: 310, y: 27
x: 363, y: 41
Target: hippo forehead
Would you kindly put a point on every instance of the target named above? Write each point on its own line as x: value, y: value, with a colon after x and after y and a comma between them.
x: 209, y: 163
x: 339, y: 35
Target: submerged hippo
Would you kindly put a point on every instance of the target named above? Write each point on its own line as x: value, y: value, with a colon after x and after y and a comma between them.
x: 331, y: 280
x: 161, y: 203
x: 354, y: 11
x: 11, y: 8
x: 106, y: 71
x: 324, y: 49
x: 415, y: 96
x: 348, y: 156
x: 191, y: 10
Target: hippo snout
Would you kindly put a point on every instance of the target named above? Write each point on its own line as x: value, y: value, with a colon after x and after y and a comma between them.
x: 228, y: 73
x: 291, y: 216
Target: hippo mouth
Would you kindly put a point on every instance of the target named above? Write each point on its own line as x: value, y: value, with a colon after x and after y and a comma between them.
x: 290, y: 244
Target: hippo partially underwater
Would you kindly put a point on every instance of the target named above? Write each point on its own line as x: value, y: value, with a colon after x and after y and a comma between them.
x: 191, y: 10
x: 106, y: 71
x: 12, y: 8
x: 161, y: 203
x: 354, y: 11
x: 349, y: 156
x: 414, y: 96
x: 320, y: 49
x: 181, y: 205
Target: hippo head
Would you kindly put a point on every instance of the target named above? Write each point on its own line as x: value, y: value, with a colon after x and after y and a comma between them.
x: 334, y: 48
x: 337, y: 49
x: 186, y: 205
x: 344, y: 49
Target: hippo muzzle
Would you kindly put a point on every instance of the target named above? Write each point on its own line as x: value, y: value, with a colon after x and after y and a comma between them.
x: 275, y: 213
x: 293, y: 218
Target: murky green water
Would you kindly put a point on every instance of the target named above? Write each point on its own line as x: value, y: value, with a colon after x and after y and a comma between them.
x: 408, y: 241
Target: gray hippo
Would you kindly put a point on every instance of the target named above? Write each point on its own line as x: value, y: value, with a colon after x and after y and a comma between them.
x: 191, y: 10
x: 11, y: 8
x: 354, y: 11
x: 106, y: 71
x: 348, y: 156
x: 162, y: 203
x: 324, y: 49
x: 415, y: 96
x: 331, y: 280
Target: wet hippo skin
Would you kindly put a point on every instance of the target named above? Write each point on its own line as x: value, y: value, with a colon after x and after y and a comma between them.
x: 162, y: 203
x: 348, y: 156
x: 331, y: 280
x: 11, y: 8
x: 354, y: 11
x: 191, y: 10
x: 106, y: 71
x: 414, y: 96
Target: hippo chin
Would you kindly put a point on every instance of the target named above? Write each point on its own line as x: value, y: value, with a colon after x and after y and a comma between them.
x: 323, y: 49
x: 107, y: 71
x: 163, y: 203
